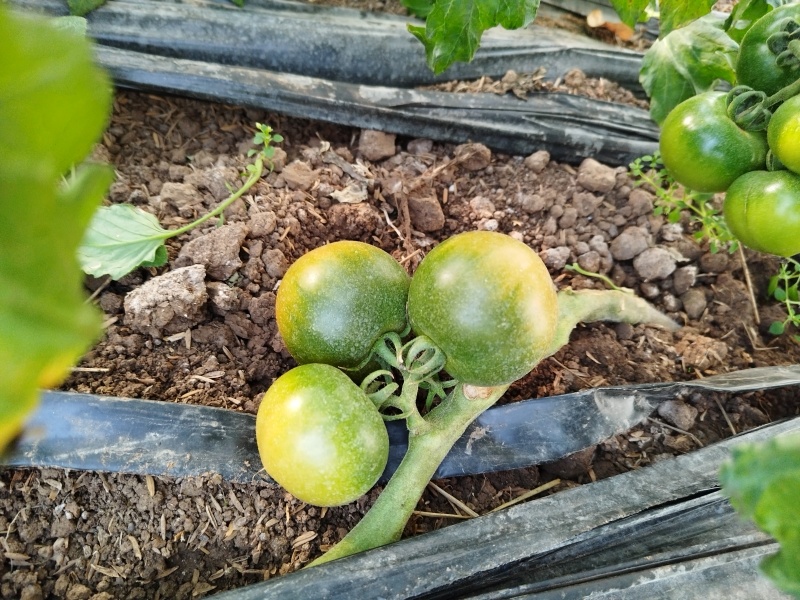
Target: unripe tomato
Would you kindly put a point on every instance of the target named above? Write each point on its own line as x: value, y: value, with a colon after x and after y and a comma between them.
x: 705, y: 150
x: 762, y: 209
x: 488, y: 302
x: 783, y: 134
x: 337, y: 300
x: 320, y: 437
x: 756, y: 64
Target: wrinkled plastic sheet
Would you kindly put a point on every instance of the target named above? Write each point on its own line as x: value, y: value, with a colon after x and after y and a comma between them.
x: 354, y: 70
x: 661, y: 532
x: 89, y: 432
x: 336, y: 44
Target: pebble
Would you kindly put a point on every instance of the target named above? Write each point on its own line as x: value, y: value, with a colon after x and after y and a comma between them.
x: 217, y: 250
x: 713, y: 262
x: 426, y: 213
x: 555, y: 258
x: 537, y: 161
x: 684, y: 278
x: 590, y: 261
x: 694, y: 303
x: 654, y: 263
x: 298, y: 175
x: 596, y: 177
x: 376, y: 145
x: 419, y: 146
x: 641, y: 202
x: 473, y: 157
x: 629, y: 244
x: 678, y: 413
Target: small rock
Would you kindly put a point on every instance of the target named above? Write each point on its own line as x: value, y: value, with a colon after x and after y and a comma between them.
x: 483, y: 207
x: 376, y: 145
x: 599, y: 244
x: 555, y: 258
x: 537, y: 161
x: 275, y: 263
x: 218, y: 251
x: 694, y: 303
x: 110, y: 303
x: 298, y: 175
x: 78, y: 591
x: 426, y: 213
x: 671, y: 232
x: 701, y: 352
x: 624, y: 331
x: 489, y: 225
x: 654, y: 263
x: 684, y: 278
x: 590, y: 261
x: 641, y: 202
x: 671, y: 303
x: 278, y: 160
x: 32, y: 591
x: 223, y: 298
x: 355, y: 221
x: 569, y: 218
x: 168, y: 303
x: 262, y: 308
x: 420, y: 146
x: 183, y: 197
x: 713, y: 262
x: 530, y: 203
x: 629, y: 244
x: 473, y: 157
x: 261, y: 224
x: 596, y: 177
x: 585, y: 203
x: 678, y: 413
x: 650, y: 290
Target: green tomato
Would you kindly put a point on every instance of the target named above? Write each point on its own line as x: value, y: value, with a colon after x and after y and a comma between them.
x: 488, y: 302
x: 320, y: 436
x: 706, y: 151
x: 336, y: 301
x: 756, y: 65
x: 783, y: 134
x: 762, y: 209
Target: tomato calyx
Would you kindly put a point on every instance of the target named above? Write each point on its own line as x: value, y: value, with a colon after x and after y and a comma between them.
x: 785, y: 44
x: 748, y: 108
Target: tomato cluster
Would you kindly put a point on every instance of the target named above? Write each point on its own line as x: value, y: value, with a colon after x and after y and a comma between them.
x: 484, y: 299
x: 741, y: 144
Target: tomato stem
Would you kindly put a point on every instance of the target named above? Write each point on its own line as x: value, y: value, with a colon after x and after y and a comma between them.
x: 385, y: 521
x: 791, y: 90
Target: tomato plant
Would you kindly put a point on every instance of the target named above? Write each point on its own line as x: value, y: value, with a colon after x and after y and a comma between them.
x: 783, y: 134
x: 762, y: 208
x: 337, y: 300
x: 704, y: 149
x: 320, y: 436
x: 760, y: 64
x: 488, y: 302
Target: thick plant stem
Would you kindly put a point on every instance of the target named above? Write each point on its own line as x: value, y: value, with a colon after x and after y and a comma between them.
x: 588, y: 306
x: 385, y: 521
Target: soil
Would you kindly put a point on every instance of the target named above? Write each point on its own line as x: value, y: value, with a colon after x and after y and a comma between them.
x: 87, y: 535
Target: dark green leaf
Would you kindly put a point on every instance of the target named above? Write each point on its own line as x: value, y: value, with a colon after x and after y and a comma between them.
x: 772, y: 286
x: 630, y: 11
x: 81, y: 8
x: 453, y: 29
x: 120, y: 238
x: 743, y: 15
x: 688, y: 61
x: 779, y: 294
x: 54, y: 103
x: 419, y: 8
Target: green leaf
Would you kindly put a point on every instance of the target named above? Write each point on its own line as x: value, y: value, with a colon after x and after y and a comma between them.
x: 453, y: 29
x: 630, y: 11
x: 677, y: 13
x: 688, y: 61
x: 777, y: 328
x: 76, y: 25
x: 81, y: 8
x: 746, y: 12
x: 54, y: 104
x: 763, y: 483
x: 419, y: 8
x: 120, y: 238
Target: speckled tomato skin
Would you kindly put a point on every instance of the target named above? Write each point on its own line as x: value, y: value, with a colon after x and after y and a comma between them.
x: 320, y: 437
x: 337, y: 300
x: 783, y: 134
x: 488, y: 302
